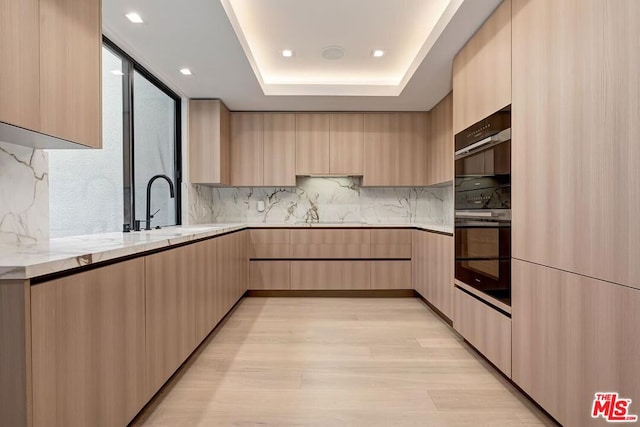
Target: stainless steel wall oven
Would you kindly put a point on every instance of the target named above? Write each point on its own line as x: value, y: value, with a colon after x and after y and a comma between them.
x: 483, y: 206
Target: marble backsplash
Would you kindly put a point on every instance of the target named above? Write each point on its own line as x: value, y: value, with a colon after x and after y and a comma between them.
x: 322, y: 200
x: 24, y: 194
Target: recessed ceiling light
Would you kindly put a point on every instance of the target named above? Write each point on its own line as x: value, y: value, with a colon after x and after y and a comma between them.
x: 377, y: 53
x: 134, y: 17
x: 287, y: 53
x: 117, y: 72
x: 186, y: 71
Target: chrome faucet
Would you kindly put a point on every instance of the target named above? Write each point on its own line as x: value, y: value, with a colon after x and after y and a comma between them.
x: 171, y: 192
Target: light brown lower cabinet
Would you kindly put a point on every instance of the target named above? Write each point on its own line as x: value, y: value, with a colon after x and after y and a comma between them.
x: 231, y: 270
x: 574, y: 336
x: 91, y: 348
x: 432, y: 269
x: 330, y: 243
x: 206, y: 289
x: 269, y: 275
x: 170, y: 313
x: 391, y: 275
x: 485, y: 328
x: 391, y: 243
x: 269, y: 243
x: 330, y: 275
x: 88, y: 347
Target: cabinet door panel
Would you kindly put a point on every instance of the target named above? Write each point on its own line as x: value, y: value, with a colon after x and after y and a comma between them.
x: 329, y: 236
x: 482, y: 71
x: 204, y: 287
x: 20, y: 59
x: 269, y: 275
x: 380, y: 149
x: 208, y: 142
x: 170, y: 312
x: 347, y: 144
x: 330, y: 275
x: 485, y: 328
x: 411, y: 145
x: 576, y: 186
x: 247, y: 149
x: 391, y: 275
x: 440, y: 145
x: 312, y: 144
x: 279, y: 150
x: 433, y: 265
x: 70, y: 70
x: 573, y: 336
x: 88, y: 347
x: 391, y: 243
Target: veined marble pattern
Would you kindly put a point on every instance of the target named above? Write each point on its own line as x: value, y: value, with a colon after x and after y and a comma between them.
x: 200, y: 204
x: 24, y: 194
x: 333, y: 200
x: 27, y: 260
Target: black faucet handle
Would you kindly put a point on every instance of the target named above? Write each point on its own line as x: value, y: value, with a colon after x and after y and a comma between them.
x: 154, y: 214
x: 136, y: 224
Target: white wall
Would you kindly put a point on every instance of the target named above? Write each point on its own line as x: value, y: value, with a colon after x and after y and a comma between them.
x: 86, y: 189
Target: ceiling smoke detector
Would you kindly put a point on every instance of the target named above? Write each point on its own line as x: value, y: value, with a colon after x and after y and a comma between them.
x: 332, y: 52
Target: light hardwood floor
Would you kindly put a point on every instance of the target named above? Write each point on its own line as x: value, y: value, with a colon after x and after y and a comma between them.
x: 337, y: 362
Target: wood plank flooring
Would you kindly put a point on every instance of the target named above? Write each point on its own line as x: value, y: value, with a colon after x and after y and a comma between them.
x: 338, y: 362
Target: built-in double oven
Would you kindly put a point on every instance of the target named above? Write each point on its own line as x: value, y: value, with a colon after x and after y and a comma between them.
x: 483, y: 207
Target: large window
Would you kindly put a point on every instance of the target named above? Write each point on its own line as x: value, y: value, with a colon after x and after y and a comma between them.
x: 95, y: 191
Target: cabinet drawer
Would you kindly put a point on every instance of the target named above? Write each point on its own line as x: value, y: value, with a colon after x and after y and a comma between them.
x: 269, y: 275
x: 327, y: 251
x: 391, y: 275
x: 269, y: 251
x: 330, y: 243
x: 391, y: 243
x: 391, y: 236
x: 330, y: 236
x: 330, y: 275
x: 485, y: 328
x: 267, y: 243
x: 391, y: 251
x: 262, y: 236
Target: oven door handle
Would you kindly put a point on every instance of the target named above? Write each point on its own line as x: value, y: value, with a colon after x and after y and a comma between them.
x: 475, y: 214
x: 505, y: 135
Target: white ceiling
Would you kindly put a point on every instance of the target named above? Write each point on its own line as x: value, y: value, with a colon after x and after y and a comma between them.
x: 420, y: 37
x: 264, y: 28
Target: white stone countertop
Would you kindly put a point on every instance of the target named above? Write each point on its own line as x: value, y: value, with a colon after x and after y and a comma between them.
x: 26, y: 261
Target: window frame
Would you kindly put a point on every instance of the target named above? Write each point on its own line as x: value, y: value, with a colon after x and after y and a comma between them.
x: 129, y: 67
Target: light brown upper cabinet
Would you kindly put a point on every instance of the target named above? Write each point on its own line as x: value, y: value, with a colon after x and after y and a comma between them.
x: 279, y: 150
x: 263, y: 149
x: 411, y: 145
x: 20, y: 63
x: 247, y: 149
x: 312, y: 143
x: 576, y: 103
x: 346, y: 142
x: 330, y: 144
x: 439, y: 164
x: 482, y: 71
x: 50, y: 78
x: 209, y: 142
x: 395, y: 149
x: 380, y: 153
